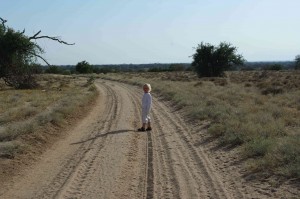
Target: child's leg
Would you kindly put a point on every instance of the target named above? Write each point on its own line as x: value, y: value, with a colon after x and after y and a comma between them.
x: 149, y: 121
x: 144, y: 120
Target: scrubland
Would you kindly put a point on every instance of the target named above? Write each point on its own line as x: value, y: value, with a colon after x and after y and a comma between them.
x: 256, y: 111
x: 27, y: 117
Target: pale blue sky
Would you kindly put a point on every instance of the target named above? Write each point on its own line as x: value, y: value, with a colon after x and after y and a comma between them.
x: 157, y: 31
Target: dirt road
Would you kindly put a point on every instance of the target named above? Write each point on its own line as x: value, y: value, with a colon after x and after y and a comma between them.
x: 105, y: 157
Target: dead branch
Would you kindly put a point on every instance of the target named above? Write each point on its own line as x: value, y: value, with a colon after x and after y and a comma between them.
x: 41, y: 58
x: 3, y: 21
x: 48, y: 37
x: 36, y: 34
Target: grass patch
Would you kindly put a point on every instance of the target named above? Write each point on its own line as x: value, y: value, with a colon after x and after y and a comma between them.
x: 24, y: 112
x: 9, y: 149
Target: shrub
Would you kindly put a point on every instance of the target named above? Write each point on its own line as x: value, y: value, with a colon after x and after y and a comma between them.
x: 84, y: 67
x: 53, y: 70
x: 212, y: 61
x: 258, y: 147
x: 18, y: 54
x: 9, y: 149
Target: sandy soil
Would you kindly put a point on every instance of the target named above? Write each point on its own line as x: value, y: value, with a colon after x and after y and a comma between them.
x: 104, y: 156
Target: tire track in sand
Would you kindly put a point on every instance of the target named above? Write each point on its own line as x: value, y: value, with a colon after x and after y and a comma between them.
x: 76, y: 170
x: 149, y: 173
x: 127, y: 183
x: 74, y: 186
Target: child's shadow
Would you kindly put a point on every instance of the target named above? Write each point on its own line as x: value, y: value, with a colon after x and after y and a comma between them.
x: 103, y: 135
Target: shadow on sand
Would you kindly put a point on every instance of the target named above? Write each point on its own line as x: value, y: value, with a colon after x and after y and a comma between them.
x: 103, y: 135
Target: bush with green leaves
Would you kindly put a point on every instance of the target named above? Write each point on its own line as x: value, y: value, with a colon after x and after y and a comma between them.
x: 84, y: 67
x: 212, y: 61
x: 18, y: 54
x: 54, y: 70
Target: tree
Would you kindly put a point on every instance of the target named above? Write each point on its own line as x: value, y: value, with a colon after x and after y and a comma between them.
x: 209, y: 61
x: 18, y: 54
x: 84, y: 67
x: 297, y: 62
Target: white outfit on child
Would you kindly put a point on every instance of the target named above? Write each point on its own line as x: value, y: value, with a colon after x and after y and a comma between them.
x: 146, y: 107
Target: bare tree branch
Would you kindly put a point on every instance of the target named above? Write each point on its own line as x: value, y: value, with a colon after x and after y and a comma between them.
x: 40, y: 58
x: 34, y: 36
x: 52, y: 38
x: 3, y: 21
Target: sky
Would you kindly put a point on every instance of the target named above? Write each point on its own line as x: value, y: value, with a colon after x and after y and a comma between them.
x: 157, y: 31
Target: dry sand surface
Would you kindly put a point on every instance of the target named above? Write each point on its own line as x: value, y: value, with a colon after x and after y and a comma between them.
x: 104, y: 156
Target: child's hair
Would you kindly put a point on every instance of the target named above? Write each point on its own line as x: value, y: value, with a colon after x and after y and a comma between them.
x: 148, y: 85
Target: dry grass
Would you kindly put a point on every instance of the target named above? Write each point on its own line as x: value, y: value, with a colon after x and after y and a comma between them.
x: 257, y: 110
x: 24, y: 112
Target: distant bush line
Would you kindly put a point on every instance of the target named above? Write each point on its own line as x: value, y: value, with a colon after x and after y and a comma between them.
x: 157, y: 67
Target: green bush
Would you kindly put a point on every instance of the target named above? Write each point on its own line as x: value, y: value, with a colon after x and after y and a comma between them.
x: 54, y: 70
x: 211, y: 61
x: 84, y: 67
x: 258, y: 147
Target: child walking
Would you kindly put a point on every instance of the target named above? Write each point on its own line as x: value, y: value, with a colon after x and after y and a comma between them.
x: 146, y: 107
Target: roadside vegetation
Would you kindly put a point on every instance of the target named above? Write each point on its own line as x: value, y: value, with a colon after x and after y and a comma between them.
x: 257, y: 111
x: 28, y: 116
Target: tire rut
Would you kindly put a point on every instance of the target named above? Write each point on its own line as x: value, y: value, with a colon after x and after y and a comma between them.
x: 149, y: 173
x: 83, y: 170
x: 79, y: 165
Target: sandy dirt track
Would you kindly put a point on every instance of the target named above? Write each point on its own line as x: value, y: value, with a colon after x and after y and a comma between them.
x: 104, y: 156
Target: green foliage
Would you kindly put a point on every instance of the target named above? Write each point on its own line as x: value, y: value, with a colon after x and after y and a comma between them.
x: 297, y: 62
x: 58, y: 70
x: 210, y: 61
x: 172, y: 67
x: 17, y: 56
x: 53, y: 70
x: 90, y: 81
x: 258, y: 147
x: 84, y: 67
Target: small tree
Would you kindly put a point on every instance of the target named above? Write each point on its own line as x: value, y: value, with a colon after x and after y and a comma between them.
x: 18, y: 54
x: 84, y: 67
x: 297, y: 62
x: 212, y: 61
